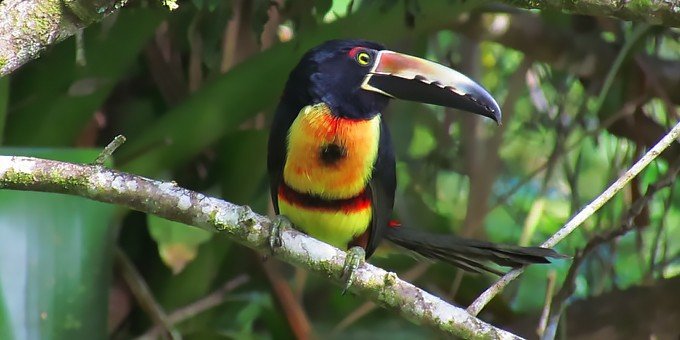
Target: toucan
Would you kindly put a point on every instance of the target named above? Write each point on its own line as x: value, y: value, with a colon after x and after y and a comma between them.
x: 331, y: 162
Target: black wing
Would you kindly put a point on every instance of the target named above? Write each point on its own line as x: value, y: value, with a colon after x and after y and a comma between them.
x: 276, y: 149
x: 382, y: 185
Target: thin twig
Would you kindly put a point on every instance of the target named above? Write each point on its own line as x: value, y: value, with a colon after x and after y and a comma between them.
x: 654, y: 249
x: 292, y: 309
x: 543, y: 322
x: 585, y: 213
x: 143, y: 294
x: 207, y: 302
x: 492, y: 291
x: 657, y: 86
x: 81, y: 60
x: 109, y: 150
x: 552, y: 159
x: 637, y: 34
x: 628, y: 224
x: 455, y: 284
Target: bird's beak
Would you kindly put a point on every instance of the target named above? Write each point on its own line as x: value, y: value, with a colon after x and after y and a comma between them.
x: 410, y: 78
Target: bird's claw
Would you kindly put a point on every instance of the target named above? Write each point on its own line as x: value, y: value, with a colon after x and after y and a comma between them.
x: 355, y: 257
x: 279, y: 222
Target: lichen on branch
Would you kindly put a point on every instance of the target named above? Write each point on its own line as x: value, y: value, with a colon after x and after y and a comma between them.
x: 655, y: 12
x: 241, y: 224
x: 27, y: 27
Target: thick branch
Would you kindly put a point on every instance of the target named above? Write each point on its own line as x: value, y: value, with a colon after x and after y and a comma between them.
x: 28, y: 26
x: 244, y: 226
x: 655, y: 12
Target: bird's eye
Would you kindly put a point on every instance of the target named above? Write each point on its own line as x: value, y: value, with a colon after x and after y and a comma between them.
x: 363, y: 58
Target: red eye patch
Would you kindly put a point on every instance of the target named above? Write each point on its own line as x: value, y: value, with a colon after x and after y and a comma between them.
x: 353, y: 52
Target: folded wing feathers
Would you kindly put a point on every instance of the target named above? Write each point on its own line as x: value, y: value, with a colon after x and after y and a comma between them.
x: 469, y: 254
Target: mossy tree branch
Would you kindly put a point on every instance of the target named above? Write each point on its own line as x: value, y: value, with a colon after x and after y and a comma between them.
x: 655, y: 12
x: 241, y: 224
x: 27, y: 27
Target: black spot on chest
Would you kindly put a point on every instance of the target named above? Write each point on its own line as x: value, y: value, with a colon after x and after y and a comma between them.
x: 331, y: 154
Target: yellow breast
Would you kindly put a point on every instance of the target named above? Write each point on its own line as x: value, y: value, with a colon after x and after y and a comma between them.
x: 329, y: 156
x: 337, y: 226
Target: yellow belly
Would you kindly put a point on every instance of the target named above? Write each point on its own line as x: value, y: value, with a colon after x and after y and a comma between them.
x: 337, y: 228
x: 340, y: 176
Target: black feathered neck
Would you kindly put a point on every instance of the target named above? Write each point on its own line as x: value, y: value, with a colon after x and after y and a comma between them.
x: 327, y: 74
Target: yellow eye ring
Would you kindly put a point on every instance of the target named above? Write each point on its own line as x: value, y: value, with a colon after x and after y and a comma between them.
x: 363, y: 58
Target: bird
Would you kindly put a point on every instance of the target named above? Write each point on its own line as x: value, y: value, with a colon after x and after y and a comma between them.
x: 331, y: 163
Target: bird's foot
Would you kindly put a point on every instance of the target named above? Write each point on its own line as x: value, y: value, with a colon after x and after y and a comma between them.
x: 279, y: 222
x: 355, y: 257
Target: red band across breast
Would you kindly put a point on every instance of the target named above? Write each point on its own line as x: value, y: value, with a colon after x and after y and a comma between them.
x: 357, y: 203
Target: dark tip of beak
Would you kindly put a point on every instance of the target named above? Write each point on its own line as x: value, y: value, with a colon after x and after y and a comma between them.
x: 487, y: 106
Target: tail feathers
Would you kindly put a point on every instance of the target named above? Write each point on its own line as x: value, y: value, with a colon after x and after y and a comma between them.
x: 468, y: 254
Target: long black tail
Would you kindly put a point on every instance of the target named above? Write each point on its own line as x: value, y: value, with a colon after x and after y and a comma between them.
x: 468, y: 254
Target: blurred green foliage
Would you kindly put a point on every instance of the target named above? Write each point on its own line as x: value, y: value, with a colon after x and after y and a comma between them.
x: 197, y: 112
x: 55, y: 260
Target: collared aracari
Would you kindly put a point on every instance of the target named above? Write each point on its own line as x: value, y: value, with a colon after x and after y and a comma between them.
x: 331, y: 162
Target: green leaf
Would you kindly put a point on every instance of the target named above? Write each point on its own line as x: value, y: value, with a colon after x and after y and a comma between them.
x: 423, y: 142
x: 222, y: 105
x: 531, y: 288
x: 177, y: 242
x: 55, y: 260
x: 73, y: 93
x: 322, y: 7
x: 243, y: 166
x: 5, y: 318
x: 248, y: 315
x: 198, y: 3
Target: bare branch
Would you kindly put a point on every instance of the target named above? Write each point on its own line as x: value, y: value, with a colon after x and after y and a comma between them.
x: 143, y: 295
x: 197, y: 307
x: 109, y: 150
x: 543, y: 321
x: 665, y: 13
x: 242, y: 225
x: 585, y: 213
x: 295, y: 314
x: 628, y: 224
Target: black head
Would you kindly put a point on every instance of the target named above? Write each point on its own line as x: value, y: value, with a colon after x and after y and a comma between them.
x: 332, y: 73
x: 356, y: 79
